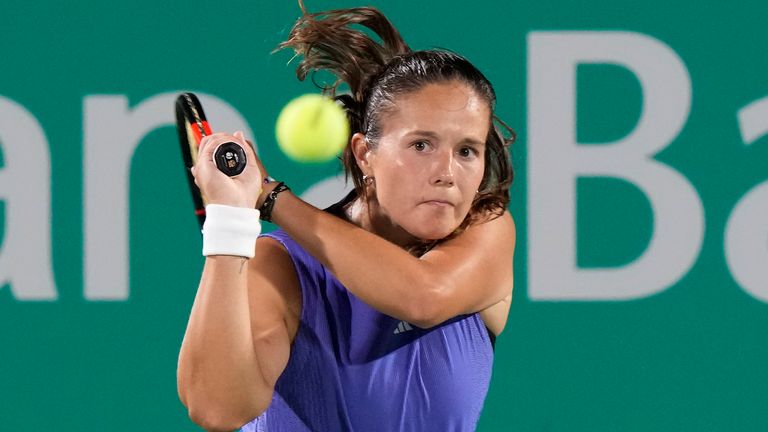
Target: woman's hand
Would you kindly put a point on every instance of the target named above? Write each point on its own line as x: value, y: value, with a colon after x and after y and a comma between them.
x: 218, y: 188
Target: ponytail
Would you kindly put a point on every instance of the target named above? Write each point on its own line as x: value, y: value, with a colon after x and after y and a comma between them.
x: 328, y: 40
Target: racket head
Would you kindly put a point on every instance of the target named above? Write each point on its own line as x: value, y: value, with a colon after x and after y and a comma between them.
x: 192, y: 126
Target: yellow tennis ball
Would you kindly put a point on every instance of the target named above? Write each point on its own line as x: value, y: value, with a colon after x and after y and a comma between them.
x: 312, y: 128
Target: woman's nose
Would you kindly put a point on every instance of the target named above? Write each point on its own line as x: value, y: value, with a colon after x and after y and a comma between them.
x: 443, y: 174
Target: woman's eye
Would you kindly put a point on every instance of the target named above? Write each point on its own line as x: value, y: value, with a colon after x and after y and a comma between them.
x: 420, y: 145
x: 467, y: 152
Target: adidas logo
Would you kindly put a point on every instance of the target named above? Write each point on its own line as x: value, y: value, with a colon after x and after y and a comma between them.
x: 402, y: 327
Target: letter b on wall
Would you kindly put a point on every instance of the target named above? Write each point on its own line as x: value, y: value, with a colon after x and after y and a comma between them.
x: 556, y: 160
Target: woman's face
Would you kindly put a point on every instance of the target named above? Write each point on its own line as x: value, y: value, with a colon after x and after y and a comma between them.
x: 429, y: 161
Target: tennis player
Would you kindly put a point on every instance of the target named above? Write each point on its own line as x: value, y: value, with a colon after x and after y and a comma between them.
x: 379, y: 313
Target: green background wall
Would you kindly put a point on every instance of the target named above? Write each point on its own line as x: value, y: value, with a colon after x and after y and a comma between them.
x: 692, y: 357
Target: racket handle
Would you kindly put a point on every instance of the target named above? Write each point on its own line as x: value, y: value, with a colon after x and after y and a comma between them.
x: 230, y: 158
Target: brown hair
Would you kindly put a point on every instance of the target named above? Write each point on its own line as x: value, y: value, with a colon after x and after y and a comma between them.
x: 379, y: 71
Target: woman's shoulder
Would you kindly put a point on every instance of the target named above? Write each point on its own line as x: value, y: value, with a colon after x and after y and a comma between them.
x: 490, y: 230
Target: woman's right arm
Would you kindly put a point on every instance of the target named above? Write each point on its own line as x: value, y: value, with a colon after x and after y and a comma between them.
x: 238, y: 337
x: 244, y: 316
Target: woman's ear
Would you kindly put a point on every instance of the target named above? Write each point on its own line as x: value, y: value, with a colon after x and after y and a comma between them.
x: 362, y: 151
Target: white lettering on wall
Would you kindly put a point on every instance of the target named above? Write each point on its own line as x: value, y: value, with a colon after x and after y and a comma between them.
x: 25, y: 189
x: 746, y: 232
x: 556, y: 161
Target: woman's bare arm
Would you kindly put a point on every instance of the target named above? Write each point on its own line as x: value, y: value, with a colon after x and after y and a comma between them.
x: 238, y: 337
x: 466, y: 274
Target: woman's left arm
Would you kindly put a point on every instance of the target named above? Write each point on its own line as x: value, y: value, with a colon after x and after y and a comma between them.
x: 465, y: 274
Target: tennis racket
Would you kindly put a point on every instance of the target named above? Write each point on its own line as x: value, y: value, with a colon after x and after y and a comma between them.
x: 192, y: 126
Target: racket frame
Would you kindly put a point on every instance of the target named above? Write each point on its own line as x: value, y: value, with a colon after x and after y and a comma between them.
x: 191, y: 127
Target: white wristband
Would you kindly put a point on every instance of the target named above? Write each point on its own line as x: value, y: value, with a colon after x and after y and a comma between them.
x: 230, y: 230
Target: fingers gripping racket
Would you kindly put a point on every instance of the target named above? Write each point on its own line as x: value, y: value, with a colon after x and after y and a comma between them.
x: 192, y: 126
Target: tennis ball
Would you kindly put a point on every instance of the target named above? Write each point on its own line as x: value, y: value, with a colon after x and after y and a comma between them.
x: 312, y: 128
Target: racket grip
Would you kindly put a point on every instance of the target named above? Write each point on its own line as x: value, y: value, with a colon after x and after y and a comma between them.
x: 230, y: 158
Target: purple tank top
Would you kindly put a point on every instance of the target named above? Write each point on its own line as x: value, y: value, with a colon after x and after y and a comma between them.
x: 353, y: 368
